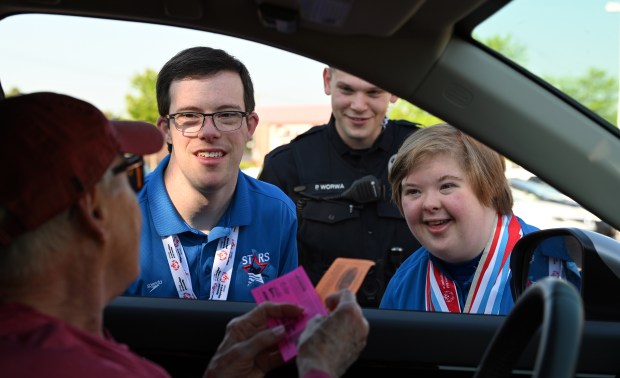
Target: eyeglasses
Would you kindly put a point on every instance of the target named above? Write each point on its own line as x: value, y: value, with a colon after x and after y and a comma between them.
x: 133, y: 165
x: 192, y: 122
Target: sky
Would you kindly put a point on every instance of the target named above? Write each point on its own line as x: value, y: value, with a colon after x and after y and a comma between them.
x: 558, y: 31
x: 90, y: 60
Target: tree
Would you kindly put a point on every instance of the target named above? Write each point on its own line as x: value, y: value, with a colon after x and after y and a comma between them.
x: 13, y: 92
x: 407, y: 111
x: 596, y: 90
x: 111, y: 115
x: 507, y: 47
x: 143, y: 105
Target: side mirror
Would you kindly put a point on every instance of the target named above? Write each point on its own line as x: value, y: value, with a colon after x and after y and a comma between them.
x: 588, y: 260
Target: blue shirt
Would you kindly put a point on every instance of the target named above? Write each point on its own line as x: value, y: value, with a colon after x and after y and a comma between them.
x: 266, y: 245
x: 407, y: 288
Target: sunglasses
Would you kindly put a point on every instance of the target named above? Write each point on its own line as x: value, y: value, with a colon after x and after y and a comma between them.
x: 133, y: 165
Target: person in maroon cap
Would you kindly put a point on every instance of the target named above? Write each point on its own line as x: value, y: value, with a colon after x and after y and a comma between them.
x: 69, y: 235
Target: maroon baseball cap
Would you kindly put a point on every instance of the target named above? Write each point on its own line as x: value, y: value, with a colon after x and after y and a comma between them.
x: 55, y: 148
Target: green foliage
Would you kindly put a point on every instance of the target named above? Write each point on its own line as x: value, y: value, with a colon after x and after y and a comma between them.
x: 407, y: 111
x: 13, y: 92
x: 507, y: 47
x: 596, y: 90
x: 245, y: 164
x: 142, y: 105
x: 111, y: 115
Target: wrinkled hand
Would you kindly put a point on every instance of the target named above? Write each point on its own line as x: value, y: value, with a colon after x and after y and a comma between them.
x: 334, y: 342
x: 250, y: 348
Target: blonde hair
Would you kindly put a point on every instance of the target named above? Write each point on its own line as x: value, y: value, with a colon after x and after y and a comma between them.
x: 483, y: 167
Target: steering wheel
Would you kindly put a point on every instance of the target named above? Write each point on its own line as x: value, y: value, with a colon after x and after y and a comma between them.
x: 555, y: 306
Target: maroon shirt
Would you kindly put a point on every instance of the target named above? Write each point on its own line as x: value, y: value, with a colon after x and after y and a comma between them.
x: 37, y: 345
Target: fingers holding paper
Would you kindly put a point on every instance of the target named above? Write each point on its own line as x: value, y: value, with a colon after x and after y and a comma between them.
x: 341, y: 335
x: 250, y: 347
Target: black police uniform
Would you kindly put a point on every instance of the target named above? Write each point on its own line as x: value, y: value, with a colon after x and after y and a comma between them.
x: 314, y: 169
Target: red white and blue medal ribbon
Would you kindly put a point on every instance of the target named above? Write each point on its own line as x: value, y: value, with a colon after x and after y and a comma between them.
x: 489, y: 281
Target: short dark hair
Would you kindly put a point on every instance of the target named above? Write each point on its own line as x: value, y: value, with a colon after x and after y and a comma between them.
x: 197, y: 62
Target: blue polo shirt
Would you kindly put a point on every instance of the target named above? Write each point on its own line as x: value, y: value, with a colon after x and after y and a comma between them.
x: 266, y: 245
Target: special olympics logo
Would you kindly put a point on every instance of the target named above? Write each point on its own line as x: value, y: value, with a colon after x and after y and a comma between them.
x: 224, y: 278
x: 448, y: 297
x: 175, y: 265
x: 222, y: 254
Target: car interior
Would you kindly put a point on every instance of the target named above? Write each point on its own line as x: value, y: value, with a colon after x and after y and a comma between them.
x: 426, y: 53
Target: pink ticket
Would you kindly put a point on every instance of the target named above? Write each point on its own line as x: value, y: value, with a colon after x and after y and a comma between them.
x: 294, y: 287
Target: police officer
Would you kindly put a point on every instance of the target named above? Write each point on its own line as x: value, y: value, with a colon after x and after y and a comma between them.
x: 337, y: 176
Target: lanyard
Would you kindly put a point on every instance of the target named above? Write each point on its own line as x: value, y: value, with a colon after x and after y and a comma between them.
x: 221, y: 272
x: 178, y: 266
x: 223, y: 260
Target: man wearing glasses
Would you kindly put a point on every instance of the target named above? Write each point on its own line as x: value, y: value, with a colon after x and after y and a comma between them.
x: 209, y: 230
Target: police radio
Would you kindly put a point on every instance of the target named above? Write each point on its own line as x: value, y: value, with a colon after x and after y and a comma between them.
x: 363, y: 190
